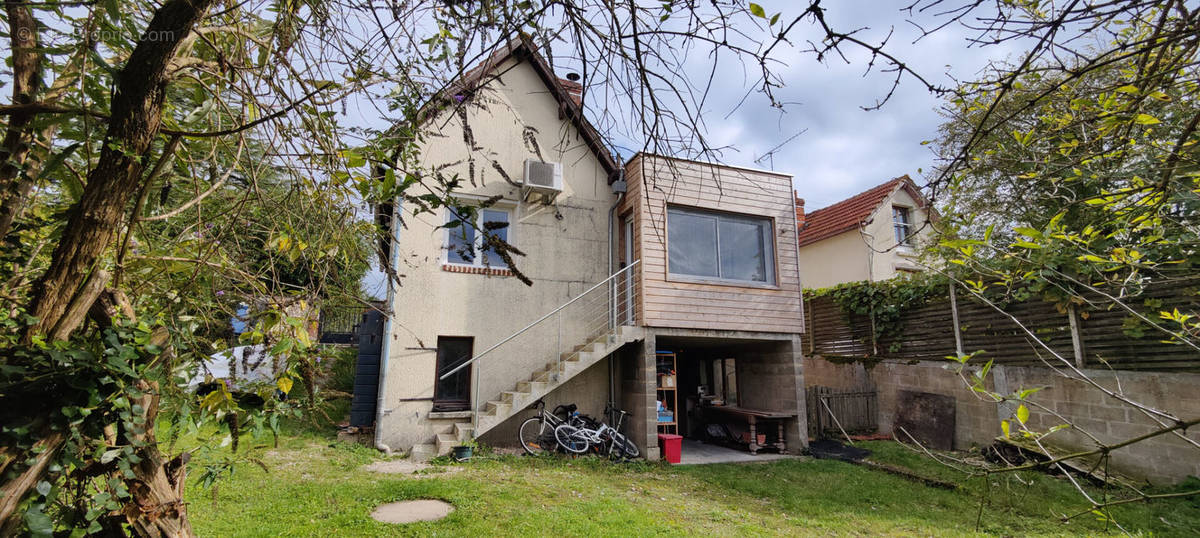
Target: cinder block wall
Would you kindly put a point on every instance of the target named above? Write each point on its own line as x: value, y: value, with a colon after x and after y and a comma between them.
x: 976, y: 420
x: 638, y: 395
x: 844, y: 375
x: 1166, y: 459
x: 771, y: 378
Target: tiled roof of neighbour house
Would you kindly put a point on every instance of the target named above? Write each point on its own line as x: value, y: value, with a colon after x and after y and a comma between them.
x: 850, y: 213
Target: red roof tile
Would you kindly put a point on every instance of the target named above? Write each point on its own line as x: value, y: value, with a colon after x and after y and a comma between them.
x: 847, y: 214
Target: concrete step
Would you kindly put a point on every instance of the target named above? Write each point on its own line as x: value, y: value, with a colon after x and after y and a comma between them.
x: 550, y: 376
x: 463, y: 430
x: 424, y: 452
x: 531, y: 386
x: 496, y: 408
x: 445, y: 442
x: 629, y: 333
x: 516, y: 398
x: 577, y: 356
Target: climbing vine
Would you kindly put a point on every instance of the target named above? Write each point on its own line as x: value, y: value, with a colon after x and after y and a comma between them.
x: 885, y: 303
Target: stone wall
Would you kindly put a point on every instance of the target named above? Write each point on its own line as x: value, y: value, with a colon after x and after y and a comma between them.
x: 1166, y: 459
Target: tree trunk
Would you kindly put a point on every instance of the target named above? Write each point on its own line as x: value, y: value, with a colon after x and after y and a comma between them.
x: 14, y: 185
x: 11, y: 492
x: 136, y: 115
x: 157, y: 509
x: 135, y: 121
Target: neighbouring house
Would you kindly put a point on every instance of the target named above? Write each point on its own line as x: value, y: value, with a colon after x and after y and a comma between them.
x: 659, y: 284
x: 873, y: 235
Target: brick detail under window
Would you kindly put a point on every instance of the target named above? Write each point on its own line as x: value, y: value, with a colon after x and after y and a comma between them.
x: 489, y: 271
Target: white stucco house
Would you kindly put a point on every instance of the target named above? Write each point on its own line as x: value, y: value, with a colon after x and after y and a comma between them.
x: 874, y: 235
x: 638, y: 268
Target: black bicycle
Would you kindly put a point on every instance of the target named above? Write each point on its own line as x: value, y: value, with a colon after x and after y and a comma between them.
x: 537, y: 433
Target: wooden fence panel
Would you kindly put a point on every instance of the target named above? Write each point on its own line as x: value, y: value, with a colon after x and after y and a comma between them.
x: 1109, y: 336
x: 927, y: 334
x: 1005, y: 342
x: 1114, y: 337
x: 832, y: 411
x: 831, y: 334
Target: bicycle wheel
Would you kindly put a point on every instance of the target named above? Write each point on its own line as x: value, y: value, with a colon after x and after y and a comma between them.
x: 571, y: 439
x: 624, y: 447
x: 537, y: 437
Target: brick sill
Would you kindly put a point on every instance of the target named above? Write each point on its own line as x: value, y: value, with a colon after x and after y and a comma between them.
x: 472, y: 270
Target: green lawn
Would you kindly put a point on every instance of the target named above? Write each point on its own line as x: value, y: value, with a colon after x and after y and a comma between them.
x: 316, y: 487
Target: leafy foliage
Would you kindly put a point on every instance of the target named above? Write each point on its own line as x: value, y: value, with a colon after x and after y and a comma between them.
x: 98, y: 392
x: 1076, y: 177
x: 885, y: 303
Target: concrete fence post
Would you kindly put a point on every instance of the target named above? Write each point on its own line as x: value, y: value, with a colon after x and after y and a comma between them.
x: 958, y: 347
x: 1076, y: 336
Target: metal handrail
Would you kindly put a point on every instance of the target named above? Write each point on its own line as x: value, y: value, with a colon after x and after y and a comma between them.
x: 539, y: 320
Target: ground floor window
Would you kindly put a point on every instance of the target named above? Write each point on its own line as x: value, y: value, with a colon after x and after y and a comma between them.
x: 454, y: 392
x: 465, y: 244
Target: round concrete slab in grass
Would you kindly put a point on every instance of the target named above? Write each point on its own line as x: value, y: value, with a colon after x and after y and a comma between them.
x: 412, y: 511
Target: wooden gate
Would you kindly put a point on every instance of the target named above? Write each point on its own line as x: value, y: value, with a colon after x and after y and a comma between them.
x: 830, y: 411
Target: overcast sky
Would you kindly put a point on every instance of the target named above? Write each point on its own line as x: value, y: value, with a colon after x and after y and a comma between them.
x: 841, y: 149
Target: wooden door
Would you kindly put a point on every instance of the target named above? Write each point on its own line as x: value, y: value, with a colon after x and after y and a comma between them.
x: 454, y: 392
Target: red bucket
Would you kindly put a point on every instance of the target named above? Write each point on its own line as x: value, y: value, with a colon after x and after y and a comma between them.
x: 671, y: 447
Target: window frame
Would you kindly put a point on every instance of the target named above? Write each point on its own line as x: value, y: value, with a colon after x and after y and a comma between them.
x: 772, y: 265
x: 509, y: 209
x: 906, y: 225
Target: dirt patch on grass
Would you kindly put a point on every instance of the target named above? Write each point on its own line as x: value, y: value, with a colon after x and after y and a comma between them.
x: 409, y: 467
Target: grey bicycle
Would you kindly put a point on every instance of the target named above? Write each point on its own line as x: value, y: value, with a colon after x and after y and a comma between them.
x: 578, y: 435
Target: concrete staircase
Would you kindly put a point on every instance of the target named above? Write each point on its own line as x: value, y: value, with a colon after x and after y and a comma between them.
x: 541, y: 383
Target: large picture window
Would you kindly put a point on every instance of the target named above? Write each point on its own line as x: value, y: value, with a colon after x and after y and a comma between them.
x: 720, y: 246
x: 464, y: 243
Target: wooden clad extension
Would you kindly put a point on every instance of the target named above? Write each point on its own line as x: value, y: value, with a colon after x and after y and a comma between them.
x: 654, y: 182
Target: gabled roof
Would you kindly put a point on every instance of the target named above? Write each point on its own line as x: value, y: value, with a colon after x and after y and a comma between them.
x: 852, y: 212
x: 567, y: 93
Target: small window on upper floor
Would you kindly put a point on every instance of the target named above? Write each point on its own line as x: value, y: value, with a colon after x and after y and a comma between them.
x: 902, y: 223
x: 465, y: 243
x: 721, y: 247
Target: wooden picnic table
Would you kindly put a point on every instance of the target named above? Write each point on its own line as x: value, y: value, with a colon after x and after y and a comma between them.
x: 752, y: 417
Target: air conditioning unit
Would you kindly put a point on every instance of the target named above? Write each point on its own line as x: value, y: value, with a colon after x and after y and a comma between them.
x: 542, y: 179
